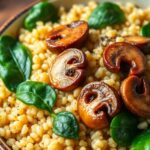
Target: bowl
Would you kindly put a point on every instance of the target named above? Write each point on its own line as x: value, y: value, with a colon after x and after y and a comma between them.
x: 13, y: 24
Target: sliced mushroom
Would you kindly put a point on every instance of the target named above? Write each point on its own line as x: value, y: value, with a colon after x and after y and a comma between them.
x: 136, y: 95
x: 68, y: 69
x: 124, y: 57
x: 67, y: 36
x: 141, y: 42
x: 96, y: 103
x: 3, y: 145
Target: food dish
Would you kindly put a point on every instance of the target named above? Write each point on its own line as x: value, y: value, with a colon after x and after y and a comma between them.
x: 41, y: 126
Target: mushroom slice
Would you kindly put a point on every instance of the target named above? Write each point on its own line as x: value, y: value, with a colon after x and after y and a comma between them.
x: 96, y: 103
x: 3, y: 145
x: 141, y: 42
x: 67, y: 36
x: 136, y: 95
x: 124, y: 57
x: 68, y: 69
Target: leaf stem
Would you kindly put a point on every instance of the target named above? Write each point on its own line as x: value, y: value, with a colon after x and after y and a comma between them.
x: 53, y: 115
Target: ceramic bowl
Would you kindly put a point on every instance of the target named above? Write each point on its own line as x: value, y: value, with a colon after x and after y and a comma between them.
x: 11, y: 26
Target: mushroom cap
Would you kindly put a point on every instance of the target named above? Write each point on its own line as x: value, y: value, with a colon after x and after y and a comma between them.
x: 141, y: 42
x: 121, y: 52
x: 96, y: 103
x: 137, y: 40
x: 67, y: 71
x: 135, y: 93
x: 67, y: 36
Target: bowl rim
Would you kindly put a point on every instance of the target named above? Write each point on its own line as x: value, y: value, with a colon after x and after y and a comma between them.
x: 26, y: 8
x: 13, y: 18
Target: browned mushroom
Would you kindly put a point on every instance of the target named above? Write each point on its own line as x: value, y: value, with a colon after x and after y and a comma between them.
x: 67, y: 36
x: 96, y: 103
x: 136, y: 95
x: 68, y: 69
x: 141, y: 42
x: 124, y: 57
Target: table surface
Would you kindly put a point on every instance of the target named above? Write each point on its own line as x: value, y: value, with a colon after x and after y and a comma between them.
x: 9, y: 8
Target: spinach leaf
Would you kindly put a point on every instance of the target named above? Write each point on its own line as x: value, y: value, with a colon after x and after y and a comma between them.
x: 142, y: 141
x: 43, y: 11
x: 15, y: 62
x: 123, y: 128
x: 145, y: 30
x: 39, y: 94
x: 65, y: 124
x: 106, y: 14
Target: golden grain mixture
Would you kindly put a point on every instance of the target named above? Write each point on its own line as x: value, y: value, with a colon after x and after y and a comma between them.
x: 28, y: 128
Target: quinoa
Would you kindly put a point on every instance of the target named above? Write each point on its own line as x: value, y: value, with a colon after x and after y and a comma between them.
x: 28, y: 128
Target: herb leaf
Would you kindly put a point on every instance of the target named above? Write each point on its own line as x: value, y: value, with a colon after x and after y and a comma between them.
x: 123, y: 128
x: 43, y: 11
x: 106, y: 14
x: 39, y: 94
x: 145, y: 30
x: 142, y: 141
x: 15, y: 62
x: 65, y: 124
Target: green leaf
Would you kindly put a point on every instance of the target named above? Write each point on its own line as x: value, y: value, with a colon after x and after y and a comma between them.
x: 145, y: 30
x: 65, y: 124
x: 15, y: 62
x: 106, y: 14
x: 43, y: 11
x: 123, y: 128
x: 39, y: 94
x: 142, y: 141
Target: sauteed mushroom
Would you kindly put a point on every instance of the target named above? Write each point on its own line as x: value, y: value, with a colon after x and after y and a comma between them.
x: 96, y: 103
x: 141, y: 42
x: 124, y: 57
x: 68, y: 69
x: 67, y: 36
x: 136, y: 95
